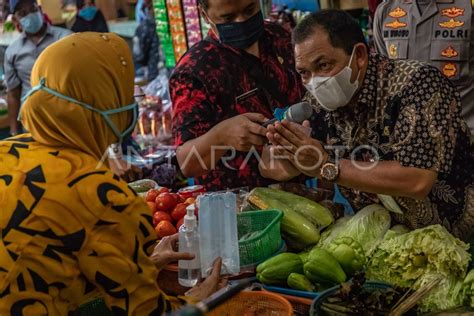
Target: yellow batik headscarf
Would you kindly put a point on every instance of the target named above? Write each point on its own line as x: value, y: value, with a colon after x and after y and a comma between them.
x: 93, y: 68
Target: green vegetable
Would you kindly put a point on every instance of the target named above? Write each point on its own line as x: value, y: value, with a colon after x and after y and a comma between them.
x: 417, y: 257
x: 396, y: 230
x: 294, y: 226
x: 323, y: 267
x: 142, y: 186
x: 368, y: 227
x: 304, y: 256
x: 349, y: 253
x: 317, y: 214
x: 389, y: 203
x: 299, y: 282
x: 277, y: 269
x: 330, y: 233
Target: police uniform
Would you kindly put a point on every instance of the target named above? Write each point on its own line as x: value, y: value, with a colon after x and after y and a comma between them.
x: 440, y: 33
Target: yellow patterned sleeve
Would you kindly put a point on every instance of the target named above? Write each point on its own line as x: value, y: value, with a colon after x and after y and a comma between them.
x: 115, y: 255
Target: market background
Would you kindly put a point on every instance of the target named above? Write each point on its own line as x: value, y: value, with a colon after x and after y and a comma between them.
x: 179, y: 26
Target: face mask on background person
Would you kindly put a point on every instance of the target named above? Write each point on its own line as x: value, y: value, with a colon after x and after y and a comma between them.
x: 32, y: 23
x: 241, y: 34
x: 334, y: 92
x: 88, y: 13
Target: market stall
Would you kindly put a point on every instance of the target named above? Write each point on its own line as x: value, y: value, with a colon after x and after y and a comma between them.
x: 305, y: 250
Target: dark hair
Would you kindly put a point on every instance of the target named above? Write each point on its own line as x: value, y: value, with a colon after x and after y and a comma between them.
x: 204, y: 4
x: 81, y: 3
x: 343, y: 30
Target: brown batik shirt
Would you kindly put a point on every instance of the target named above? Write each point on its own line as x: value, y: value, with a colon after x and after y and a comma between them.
x: 409, y: 112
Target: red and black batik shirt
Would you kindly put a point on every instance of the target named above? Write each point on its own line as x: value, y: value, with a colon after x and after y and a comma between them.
x: 214, y: 82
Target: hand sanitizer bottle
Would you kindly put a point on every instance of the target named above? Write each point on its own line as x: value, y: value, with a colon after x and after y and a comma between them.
x: 189, y: 270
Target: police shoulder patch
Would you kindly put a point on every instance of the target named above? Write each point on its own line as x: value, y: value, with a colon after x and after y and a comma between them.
x: 449, y: 52
x: 453, y: 12
x: 451, y: 24
x: 396, y: 24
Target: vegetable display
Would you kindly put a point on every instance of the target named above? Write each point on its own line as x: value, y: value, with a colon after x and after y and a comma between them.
x: 414, y: 258
x: 368, y: 227
x: 349, y: 253
x: 302, y: 218
x: 322, y: 267
x: 300, y: 282
x: 276, y: 270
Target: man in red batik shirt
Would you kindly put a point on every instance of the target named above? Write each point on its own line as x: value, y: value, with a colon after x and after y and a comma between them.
x: 224, y: 88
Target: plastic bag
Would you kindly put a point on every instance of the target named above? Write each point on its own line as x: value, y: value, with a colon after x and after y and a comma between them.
x: 218, y: 232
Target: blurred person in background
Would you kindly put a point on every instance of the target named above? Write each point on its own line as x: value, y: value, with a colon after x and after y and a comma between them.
x: 21, y: 55
x: 146, y: 45
x: 89, y: 18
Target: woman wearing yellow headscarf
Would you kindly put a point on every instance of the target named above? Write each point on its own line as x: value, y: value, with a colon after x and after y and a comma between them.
x: 69, y: 227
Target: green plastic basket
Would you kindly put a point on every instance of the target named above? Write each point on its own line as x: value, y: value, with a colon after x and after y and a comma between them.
x: 265, y: 243
x: 369, y: 286
x: 95, y: 307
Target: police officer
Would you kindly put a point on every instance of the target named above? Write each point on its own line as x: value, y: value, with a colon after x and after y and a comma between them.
x: 440, y: 32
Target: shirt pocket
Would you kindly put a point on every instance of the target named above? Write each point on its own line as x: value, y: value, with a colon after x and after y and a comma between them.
x: 397, y: 49
x: 451, y: 57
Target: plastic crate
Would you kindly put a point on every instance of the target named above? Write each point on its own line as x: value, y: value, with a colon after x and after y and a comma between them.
x: 301, y: 306
x: 264, y: 244
x: 254, y: 303
x: 291, y: 292
x: 369, y: 286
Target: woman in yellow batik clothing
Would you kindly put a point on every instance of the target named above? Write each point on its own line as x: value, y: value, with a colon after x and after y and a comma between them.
x: 71, y: 230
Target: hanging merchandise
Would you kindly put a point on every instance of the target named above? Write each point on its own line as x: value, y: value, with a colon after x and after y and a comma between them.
x: 163, y: 31
x: 178, y: 30
x: 193, y: 26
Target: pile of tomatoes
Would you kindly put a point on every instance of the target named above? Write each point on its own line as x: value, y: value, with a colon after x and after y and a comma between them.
x: 168, y: 210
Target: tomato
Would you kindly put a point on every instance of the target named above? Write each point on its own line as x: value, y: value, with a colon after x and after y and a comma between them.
x: 163, y: 190
x: 161, y: 216
x: 180, y: 223
x: 165, y: 228
x: 179, y: 211
x: 151, y: 195
x: 152, y: 206
x: 177, y: 198
x: 165, y: 202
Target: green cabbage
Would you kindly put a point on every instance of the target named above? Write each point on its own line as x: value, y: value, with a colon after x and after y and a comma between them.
x: 417, y: 257
x: 367, y: 227
x: 396, y: 230
x: 449, y: 293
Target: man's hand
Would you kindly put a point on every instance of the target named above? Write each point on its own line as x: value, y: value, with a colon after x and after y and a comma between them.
x: 271, y: 166
x: 167, y: 251
x: 209, y: 286
x: 242, y: 132
x: 292, y: 140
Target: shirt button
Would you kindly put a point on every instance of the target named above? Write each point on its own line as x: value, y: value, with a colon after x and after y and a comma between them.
x: 105, y: 37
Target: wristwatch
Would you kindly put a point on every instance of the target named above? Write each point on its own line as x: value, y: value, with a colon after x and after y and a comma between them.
x: 330, y: 170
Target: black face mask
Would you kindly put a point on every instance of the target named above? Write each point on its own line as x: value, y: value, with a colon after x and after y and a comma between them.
x: 241, y: 34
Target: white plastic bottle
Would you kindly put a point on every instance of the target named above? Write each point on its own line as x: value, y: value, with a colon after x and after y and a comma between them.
x: 189, y: 270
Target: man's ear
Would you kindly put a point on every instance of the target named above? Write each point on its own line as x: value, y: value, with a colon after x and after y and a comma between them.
x: 361, y: 55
